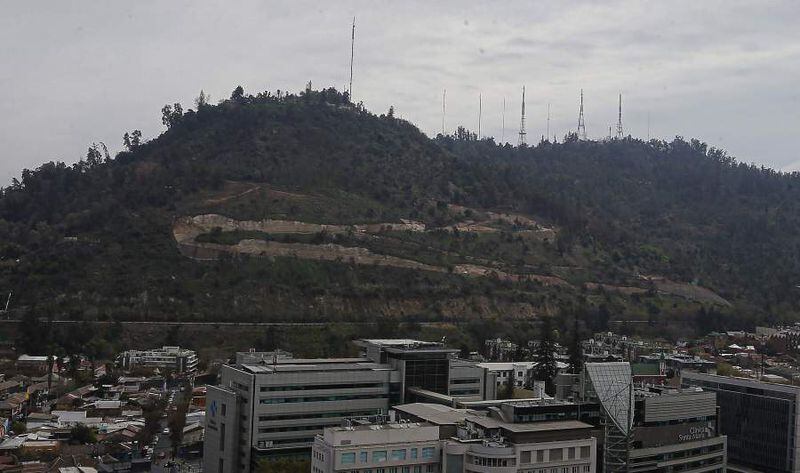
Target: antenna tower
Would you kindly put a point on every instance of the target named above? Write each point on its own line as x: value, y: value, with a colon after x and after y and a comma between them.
x: 620, y: 133
x: 352, y: 50
x: 522, y: 121
x: 581, y: 123
x: 444, y: 108
x: 480, y: 111
x: 548, y: 122
x: 503, y: 135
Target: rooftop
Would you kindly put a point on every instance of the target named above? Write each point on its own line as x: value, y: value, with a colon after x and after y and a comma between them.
x: 490, y: 423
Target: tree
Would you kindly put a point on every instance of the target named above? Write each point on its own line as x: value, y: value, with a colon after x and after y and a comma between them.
x: 237, y: 94
x: 132, y: 140
x: 83, y: 434
x: 575, y: 348
x: 546, y: 367
x: 171, y: 114
x: 390, y: 113
x: 508, y: 388
x: 93, y: 156
x: 203, y: 99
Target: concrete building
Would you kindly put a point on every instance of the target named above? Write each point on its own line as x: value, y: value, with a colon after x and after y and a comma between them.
x: 176, y: 359
x: 392, y: 447
x: 520, y: 372
x: 276, y: 409
x: 431, y: 367
x: 761, y: 421
x: 458, y: 441
x: 653, y: 429
x: 274, y: 405
x: 676, y: 431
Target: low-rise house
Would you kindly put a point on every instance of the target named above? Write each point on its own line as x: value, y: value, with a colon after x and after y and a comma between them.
x: 13, y: 405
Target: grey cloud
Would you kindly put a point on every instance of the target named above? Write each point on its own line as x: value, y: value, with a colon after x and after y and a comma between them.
x: 724, y: 71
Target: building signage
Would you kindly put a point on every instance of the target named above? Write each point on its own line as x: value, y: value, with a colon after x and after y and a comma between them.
x: 695, y: 433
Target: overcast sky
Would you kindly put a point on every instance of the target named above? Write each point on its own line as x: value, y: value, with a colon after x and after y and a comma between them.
x: 77, y: 72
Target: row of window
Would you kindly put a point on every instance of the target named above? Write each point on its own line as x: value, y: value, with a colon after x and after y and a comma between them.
x: 465, y: 381
x: 310, y: 387
x: 298, y: 428
x: 563, y: 469
x: 319, y: 415
x: 555, y: 454
x: 290, y: 400
x: 379, y: 456
x: 462, y: 392
x: 492, y: 462
x: 432, y: 468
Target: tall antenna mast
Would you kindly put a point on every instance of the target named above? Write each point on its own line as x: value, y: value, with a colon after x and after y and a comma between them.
x: 619, y: 120
x: 522, y: 121
x: 548, y: 122
x: 503, y: 135
x: 444, y: 108
x: 581, y: 123
x: 648, y: 126
x: 480, y: 111
x: 352, y: 50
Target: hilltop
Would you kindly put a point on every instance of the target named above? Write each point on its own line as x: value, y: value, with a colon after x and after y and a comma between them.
x: 283, y: 207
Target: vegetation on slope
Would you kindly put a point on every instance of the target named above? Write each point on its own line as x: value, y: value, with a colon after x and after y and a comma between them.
x: 93, y: 240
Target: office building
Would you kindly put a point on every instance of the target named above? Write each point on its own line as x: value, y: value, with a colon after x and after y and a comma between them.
x: 388, y: 447
x: 276, y: 409
x: 175, y: 359
x: 429, y: 368
x: 653, y: 429
x: 271, y: 404
x: 761, y: 420
x: 459, y: 441
x: 676, y: 430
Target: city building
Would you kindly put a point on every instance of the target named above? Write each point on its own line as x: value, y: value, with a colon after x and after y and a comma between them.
x: 520, y: 372
x: 504, y: 439
x: 653, y: 428
x: 276, y: 409
x: 761, y: 420
x: 676, y: 430
x: 274, y: 405
x: 428, y: 368
x: 388, y: 447
x: 176, y: 359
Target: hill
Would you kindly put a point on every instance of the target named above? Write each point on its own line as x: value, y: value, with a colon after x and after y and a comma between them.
x: 283, y: 207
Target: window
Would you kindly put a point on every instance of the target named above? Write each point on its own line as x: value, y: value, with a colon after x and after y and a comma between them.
x: 585, y: 452
x: 571, y: 453
x: 428, y: 453
x: 398, y: 454
x: 525, y: 457
x: 417, y: 469
x: 393, y: 469
x: 379, y: 456
x: 223, y: 409
x: 222, y: 436
x: 413, y: 453
x: 556, y: 454
x: 220, y: 466
x: 430, y: 468
x: 348, y: 458
x: 405, y: 469
x: 363, y: 457
x: 539, y: 456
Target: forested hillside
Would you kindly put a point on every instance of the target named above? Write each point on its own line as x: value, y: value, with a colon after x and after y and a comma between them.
x: 309, y: 208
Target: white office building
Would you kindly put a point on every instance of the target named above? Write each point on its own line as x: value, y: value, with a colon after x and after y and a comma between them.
x: 176, y: 359
x: 378, y: 448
